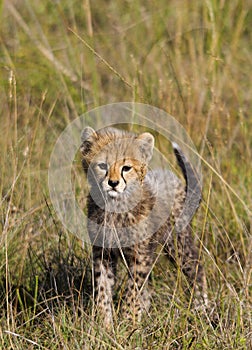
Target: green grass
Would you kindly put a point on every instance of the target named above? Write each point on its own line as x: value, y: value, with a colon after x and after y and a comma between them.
x: 60, y: 59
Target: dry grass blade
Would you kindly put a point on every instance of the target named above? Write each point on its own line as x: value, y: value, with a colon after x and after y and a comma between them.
x: 45, y: 51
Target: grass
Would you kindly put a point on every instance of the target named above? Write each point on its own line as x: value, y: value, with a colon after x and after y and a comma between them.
x: 61, y: 59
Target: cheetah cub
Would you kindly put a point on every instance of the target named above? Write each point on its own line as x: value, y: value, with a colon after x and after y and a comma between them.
x: 133, y: 214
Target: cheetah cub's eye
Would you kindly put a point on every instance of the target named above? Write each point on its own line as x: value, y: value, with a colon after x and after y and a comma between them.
x: 126, y: 168
x: 103, y: 166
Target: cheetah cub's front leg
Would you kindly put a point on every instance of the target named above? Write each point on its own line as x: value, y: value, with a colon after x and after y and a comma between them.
x: 137, y: 292
x: 104, y: 280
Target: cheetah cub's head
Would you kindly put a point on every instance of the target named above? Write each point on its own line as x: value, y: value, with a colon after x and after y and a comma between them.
x: 115, y: 161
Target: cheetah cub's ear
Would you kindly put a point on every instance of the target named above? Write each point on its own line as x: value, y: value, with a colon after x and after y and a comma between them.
x: 87, y: 133
x: 146, y: 145
x: 88, y: 136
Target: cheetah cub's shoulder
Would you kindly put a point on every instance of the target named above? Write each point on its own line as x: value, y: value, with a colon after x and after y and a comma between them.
x: 132, y: 211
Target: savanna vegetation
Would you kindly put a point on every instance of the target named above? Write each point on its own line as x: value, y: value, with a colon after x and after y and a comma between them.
x: 60, y: 59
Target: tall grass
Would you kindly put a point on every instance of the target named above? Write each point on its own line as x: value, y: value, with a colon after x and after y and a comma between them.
x: 60, y: 59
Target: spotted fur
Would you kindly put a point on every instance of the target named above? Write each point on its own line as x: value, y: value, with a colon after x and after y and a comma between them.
x: 132, y: 212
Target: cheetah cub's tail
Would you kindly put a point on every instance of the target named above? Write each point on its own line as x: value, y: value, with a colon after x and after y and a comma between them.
x: 193, y: 184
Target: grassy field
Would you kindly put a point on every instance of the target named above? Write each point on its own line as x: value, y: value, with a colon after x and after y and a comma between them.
x: 60, y: 59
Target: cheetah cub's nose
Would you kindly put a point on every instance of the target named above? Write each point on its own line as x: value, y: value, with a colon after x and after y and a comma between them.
x: 112, y: 183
